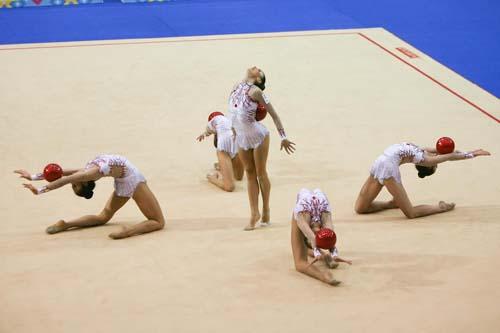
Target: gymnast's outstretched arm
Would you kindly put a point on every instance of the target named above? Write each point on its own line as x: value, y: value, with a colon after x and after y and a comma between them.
x: 431, y: 150
x: 69, y: 172
x: 77, y: 177
x: 205, y: 134
x: 303, y: 224
x: 257, y: 95
x: 431, y: 160
x: 39, y: 176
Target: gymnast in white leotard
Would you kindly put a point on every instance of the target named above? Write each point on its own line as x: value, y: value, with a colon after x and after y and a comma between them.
x: 128, y: 183
x: 252, y: 139
x: 313, y: 212
x: 385, y: 172
x: 229, y: 166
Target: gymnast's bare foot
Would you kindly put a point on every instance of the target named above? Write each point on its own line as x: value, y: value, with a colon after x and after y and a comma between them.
x: 213, y: 175
x: 119, y: 234
x: 253, y: 221
x: 56, y: 227
x: 330, y: 280
x: 391, y: 205
x: 446, y: 207
x: 334, y: 282
x: 266, y: 216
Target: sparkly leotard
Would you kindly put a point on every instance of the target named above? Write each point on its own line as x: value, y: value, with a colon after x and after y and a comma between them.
x: 313, y: 202
x: 249, y: 132
x: 387, y: 165
x: 126, y: 184
x: 226, y: 141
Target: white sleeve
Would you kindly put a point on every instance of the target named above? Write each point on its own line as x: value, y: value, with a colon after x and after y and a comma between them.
x: 418, y: 155
x: 266, y: 99
x: 104, y: 168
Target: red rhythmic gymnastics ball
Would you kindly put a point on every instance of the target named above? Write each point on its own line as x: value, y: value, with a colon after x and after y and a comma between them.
x: 326, y: 239
x: 52, y: 172
x: 214, y: 114
x: 445, y: 145
x: 261, y: 112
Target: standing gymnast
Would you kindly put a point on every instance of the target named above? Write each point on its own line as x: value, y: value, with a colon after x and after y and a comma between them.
x: 252, y: 139
x: 229, y: 166
x: 385, y: 172
x: 128, y: 183
x: 311, y: 214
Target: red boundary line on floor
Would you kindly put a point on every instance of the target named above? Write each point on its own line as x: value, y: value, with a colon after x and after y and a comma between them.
x: 269, y: 37
x: 178, y: 41
x: 431, y: 78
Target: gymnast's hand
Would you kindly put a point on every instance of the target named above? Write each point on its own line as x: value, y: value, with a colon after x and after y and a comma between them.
x: 23, y: 174
x: 480, y: 152
x: 288, y: 145
x: 32, y: 188
x: 338, y: 259
x: 200, y: 138
x: 317, y: 255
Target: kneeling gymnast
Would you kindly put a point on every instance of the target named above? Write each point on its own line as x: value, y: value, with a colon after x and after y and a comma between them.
x: 128, y: 183
x: 312, y: 228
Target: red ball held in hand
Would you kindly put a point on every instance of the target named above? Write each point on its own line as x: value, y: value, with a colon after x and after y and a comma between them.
x: 326, y: 239
x: 52, y: 172
x: 445, y: 145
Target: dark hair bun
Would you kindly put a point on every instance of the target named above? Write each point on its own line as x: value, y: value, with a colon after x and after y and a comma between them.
x: 424, y: 171
x: 262, y: 83
x: 87, y: 190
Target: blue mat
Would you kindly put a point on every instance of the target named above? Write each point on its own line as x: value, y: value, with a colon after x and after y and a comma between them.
x: 463, y: 35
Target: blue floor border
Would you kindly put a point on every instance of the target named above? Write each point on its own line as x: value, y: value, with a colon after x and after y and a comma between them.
x: 463, y: 35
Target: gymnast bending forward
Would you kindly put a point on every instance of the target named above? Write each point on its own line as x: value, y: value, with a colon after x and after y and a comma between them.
x: 385, y: 172
x: 229, y: 166
x: 312, y: 215
x: 128, y: 183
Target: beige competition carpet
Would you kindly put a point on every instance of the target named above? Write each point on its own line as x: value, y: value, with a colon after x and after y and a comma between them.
x: 343, y: 96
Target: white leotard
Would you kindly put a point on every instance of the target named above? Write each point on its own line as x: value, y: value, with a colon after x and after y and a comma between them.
x: 387, y: 165
x: 249, y: 132
x: 226, y: 141
x: 313, y: 202
x: 126, y: 184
